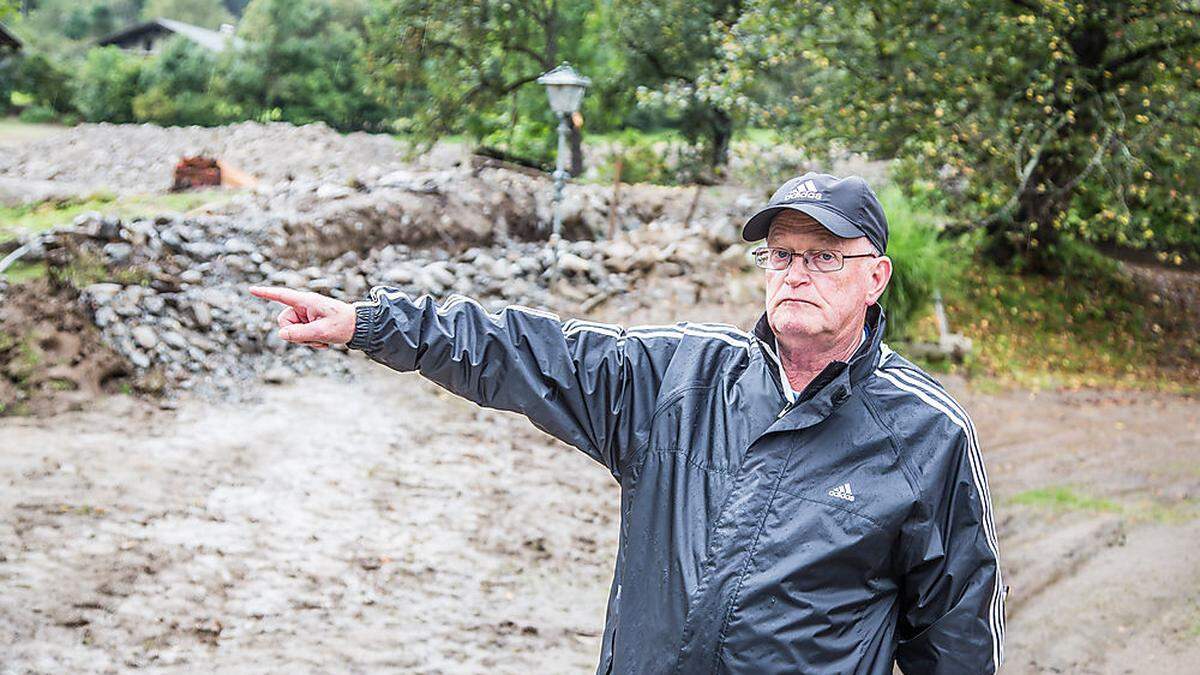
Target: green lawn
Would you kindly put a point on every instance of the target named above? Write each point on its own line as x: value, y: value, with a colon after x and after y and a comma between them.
x: 16, y: 220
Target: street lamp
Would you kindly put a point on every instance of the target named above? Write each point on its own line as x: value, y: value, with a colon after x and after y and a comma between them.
x: 565, y: 88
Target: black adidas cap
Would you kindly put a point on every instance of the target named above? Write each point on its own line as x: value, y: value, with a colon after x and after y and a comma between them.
x: 846, y: 207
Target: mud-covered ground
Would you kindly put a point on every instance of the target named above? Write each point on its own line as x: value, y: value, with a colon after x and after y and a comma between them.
x: 380, y: 524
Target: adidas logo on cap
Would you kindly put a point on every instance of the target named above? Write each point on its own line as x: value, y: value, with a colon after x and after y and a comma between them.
x: 805, y: 190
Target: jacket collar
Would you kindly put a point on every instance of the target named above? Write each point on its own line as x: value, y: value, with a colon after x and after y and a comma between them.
x: 833, y: 385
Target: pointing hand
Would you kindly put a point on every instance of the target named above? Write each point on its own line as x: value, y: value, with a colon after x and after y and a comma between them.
x: 310, y: 318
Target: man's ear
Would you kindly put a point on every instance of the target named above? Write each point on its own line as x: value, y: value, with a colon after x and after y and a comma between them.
x: 881, y: 274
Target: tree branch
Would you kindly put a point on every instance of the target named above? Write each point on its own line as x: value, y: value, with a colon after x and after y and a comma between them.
x: 1094, y: 162
x: 516, y: 84
x: 1025, y: 174
x: 539, y: 58
x: 1149, y: 50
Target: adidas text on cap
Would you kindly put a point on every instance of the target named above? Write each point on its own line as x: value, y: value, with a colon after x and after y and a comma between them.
x: 847, y: 207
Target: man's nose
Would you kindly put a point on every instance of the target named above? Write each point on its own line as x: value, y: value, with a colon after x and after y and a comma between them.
x: 797, y: 273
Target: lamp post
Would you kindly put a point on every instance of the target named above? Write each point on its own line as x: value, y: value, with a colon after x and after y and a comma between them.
x: 565, y: 88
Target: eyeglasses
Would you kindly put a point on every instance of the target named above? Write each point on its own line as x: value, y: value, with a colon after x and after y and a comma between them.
x: 779, y: 259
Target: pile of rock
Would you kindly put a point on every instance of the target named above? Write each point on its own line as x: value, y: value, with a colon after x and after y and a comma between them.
x: 174, y: 301
x: 138, y: 158
x: 464, y: 206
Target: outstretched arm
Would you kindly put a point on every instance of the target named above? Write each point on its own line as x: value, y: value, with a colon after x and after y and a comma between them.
x: 591, y: 385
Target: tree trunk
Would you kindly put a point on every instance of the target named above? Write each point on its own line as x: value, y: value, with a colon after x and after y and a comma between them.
x: 721, y: 130
x: 575, y: 140
x: 1015, y: 237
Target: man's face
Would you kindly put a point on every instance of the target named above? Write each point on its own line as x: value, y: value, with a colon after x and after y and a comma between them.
x: 801, y: 302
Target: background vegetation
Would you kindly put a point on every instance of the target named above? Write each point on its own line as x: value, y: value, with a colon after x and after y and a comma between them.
x: 1038, y: 122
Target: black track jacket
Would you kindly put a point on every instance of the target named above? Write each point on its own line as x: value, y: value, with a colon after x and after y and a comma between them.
x: 837, y: 533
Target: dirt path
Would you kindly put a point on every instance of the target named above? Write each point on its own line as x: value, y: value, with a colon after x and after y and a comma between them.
x: 1099, y: 519
x: 327, y: 526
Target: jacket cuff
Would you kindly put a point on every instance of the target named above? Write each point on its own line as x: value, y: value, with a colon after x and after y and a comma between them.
x: 364, y: 325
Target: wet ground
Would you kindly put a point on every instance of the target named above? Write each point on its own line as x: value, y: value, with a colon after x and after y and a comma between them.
x: 383, y: 525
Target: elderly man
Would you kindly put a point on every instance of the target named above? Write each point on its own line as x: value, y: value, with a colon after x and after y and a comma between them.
x: 798, y: 499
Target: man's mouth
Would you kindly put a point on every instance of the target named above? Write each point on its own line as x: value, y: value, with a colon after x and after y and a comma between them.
x: 797, y: 300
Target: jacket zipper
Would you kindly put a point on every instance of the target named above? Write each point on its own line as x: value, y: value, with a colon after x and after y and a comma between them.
x: 787, y: 405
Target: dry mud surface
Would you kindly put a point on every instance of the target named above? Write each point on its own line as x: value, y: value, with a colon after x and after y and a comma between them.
x: 380, y: 524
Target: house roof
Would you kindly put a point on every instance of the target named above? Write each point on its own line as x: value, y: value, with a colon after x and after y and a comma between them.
x: 209, y: 39
x: 7, y: 39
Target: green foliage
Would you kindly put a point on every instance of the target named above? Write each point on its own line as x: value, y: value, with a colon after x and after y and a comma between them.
x: 108, y: 83
x: 175, y: 87
x: 7, y: 66
x: 470, y: 67
x: 664, y: 158
x: 530, y: 137
x: 38, y: 114
x: 671, y: 45
x: 1040, y: 120
x: 922, y: 262
x: 65, y: 29
x: 643, y: 159
x: 47, y: 83
x: 300, y: 62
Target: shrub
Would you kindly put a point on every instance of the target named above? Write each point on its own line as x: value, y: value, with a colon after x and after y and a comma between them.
x: 38, y: 114
x: 47, y: 83
x: 108, y: 83
x: 177, y: 88
x: 922, y: 262
x: 647, y: 159
x: 7, y: 66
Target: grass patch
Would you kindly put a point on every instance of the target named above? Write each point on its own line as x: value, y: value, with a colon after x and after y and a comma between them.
x: 17, y: 220
x: 1064, y: 499
x: 1077, y: 330
x: 923, y: 263
x: 88, y: 269
x: 20, y: 272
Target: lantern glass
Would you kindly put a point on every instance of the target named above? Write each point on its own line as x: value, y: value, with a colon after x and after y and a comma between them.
x: 565, y: 98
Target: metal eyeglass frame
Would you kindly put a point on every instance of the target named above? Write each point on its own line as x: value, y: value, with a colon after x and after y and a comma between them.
x: 807, y: 257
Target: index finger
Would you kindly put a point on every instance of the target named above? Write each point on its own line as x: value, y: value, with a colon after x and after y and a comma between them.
x: 281, y: 294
